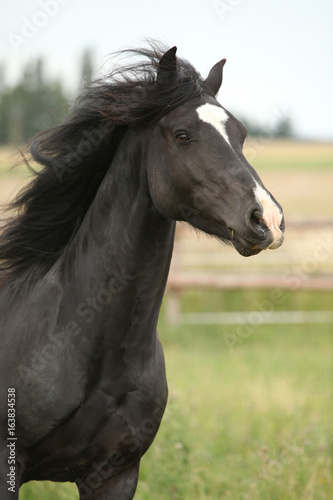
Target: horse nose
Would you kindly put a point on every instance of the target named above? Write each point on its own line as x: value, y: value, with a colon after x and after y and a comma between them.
x: 270, y: 214
x: 268, y: 225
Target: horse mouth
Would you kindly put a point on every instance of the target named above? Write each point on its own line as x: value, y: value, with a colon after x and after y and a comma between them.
x: 248, y: 247
x: 258, y: 236
x: 245, y: 248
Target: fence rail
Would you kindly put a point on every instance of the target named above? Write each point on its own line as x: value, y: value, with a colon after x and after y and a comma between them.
x: 180, y: 280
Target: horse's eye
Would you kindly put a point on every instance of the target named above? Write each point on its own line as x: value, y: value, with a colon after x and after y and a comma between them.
x: 183, y: 137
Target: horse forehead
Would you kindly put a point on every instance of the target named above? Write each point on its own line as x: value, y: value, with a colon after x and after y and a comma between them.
x: 215, y: 116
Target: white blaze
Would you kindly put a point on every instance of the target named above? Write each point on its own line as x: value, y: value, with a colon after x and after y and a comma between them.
x: 215, y: 116
x: 272, y: 215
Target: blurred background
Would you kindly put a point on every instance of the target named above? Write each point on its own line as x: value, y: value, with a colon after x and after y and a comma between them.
x: 248, y: 342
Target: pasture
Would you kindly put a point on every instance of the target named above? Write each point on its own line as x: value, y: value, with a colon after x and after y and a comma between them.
x: 249, y: 415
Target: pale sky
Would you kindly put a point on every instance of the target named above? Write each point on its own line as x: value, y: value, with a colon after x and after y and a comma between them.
x: 279, y: 52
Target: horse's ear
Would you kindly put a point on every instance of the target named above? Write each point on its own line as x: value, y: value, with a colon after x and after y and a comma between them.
x: 214, y: 79
x: 167, y: 68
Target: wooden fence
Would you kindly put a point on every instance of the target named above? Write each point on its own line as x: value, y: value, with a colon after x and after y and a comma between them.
x: 180, y: 280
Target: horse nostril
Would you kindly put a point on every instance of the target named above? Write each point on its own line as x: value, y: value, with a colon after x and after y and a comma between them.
x: 282, y: 225
x: 257, y: 220
x: 255, y: 217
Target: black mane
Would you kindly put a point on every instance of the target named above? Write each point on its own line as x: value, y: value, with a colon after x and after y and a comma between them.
x: 76, y: 155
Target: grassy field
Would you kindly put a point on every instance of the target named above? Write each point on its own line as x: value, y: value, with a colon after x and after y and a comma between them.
x: 283, y: 155
x: 249, y: 415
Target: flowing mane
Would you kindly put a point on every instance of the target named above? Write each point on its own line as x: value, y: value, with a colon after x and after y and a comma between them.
x: 75, y: 155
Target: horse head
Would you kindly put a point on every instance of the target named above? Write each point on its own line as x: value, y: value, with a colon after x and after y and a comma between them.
x: 203, y: 177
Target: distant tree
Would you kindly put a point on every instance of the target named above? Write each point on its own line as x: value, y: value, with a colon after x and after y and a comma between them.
x: 2, y: 88
x: 32, y: 105
x: 253, y: 129
x: 87, y: 68
x: 284, y: 128
x: 2, y: 77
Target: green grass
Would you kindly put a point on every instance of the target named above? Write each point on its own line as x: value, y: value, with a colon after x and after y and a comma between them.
x: 248, y: 423
x: 11, y: 162
x: 254, y: 300
x: 253, y: 422
x: 286, y: 155
x: 45, y: 490
x: 301, y: 164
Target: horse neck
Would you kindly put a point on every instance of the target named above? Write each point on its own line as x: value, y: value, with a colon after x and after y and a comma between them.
x: 125, y: 244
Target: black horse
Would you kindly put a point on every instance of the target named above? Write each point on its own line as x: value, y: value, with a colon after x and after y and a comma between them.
x: 85, y: 260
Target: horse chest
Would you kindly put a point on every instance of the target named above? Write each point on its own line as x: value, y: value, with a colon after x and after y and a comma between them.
x: 106, y: 430
x: 115, y: 422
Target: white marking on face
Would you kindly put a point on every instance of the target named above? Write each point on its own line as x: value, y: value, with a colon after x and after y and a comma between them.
x: 215, y: 116
x: 272, y: 215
